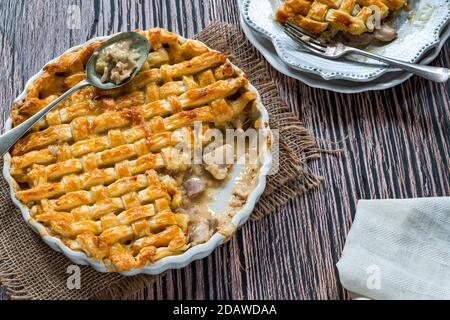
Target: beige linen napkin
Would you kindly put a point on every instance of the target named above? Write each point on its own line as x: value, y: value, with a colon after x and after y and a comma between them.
x: 399, y: 249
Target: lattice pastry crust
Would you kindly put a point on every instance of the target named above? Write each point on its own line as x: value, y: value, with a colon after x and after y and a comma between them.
x: 99, y: 171
x: 340, y: 15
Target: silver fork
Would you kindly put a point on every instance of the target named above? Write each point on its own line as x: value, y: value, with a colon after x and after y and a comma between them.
x: 337, y: 50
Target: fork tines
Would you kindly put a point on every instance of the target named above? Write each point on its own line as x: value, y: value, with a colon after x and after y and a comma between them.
x: 309, y: 40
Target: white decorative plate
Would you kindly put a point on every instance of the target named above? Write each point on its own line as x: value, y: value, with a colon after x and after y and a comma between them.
x: 221, y: 198
x: 419, y: 30
x: 388, y: 80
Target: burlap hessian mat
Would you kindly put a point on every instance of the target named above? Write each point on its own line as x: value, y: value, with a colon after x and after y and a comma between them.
x: 29, y: 269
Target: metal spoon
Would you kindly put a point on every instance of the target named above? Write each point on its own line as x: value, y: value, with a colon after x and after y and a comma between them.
x: 138, y: 43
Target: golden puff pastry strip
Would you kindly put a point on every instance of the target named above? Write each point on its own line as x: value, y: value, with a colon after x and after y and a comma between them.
x: 86, y: 181
x: 172, y: 237
x: 84, y: 211
x: 173, y: 158
x: 71, y: 109
x: 82, y: 127
x: 107, y: 206
x: 110, y: 226
x: 64, y: 224
x: 169, y: 238
x: 166, y: 73
x: 177, y: 51
x: 342, y: 15
x: 101, y: 176
x: 122, y: 195
x: 87, y: 107
x: 112, y: 144
x: 140, y: 222
x: 85, y: 104
x: 69, y: 63
x: 108, y: 157
x: 125, y: 187
x: 220, y: 111
x: 124, y: 232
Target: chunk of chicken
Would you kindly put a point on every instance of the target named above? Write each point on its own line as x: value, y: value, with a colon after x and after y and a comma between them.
x: 194, y: 187
x: 386, y: 33
x: 200, y: 231
x: 217, y: 162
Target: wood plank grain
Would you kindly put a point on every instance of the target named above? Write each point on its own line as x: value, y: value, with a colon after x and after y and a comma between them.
x: 397, y: 147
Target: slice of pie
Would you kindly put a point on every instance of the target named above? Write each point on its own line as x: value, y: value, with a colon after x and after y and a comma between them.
x: 326, y: 18
x: 103, y: 171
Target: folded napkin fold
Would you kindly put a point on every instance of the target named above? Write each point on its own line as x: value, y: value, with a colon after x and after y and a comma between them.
x: 398, y: 249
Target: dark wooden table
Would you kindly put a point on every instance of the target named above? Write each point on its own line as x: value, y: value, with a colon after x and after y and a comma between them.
x: 397, y: 147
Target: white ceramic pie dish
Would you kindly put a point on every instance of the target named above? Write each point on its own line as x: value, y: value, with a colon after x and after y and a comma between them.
x: 172, y: 262
x: 418, y: 32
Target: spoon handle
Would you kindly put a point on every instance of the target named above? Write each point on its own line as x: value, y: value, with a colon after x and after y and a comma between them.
x: 10, y: 137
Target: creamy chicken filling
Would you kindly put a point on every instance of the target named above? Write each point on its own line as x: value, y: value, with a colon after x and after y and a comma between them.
x: 117, y: 62
x: 199, y: 184
x: 376, y: 35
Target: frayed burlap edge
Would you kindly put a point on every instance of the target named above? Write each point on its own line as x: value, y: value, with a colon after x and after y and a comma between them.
x: 15, y: 289
x: 296, y: 148
x: 11, y: 283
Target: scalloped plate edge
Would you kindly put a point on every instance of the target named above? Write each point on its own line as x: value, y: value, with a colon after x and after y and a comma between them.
x: 326, y: 75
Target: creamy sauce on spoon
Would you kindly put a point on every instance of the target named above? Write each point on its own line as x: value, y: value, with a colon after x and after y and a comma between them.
x: 117, y: 62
